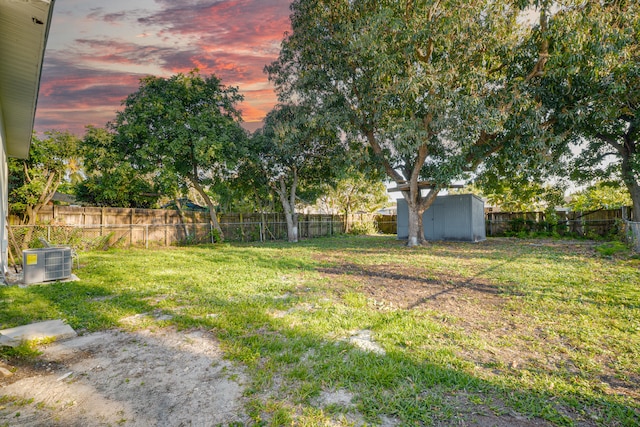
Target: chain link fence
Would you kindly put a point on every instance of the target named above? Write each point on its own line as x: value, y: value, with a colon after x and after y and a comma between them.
x: 86, y: 237
x: 101, y: 236
x: 633, y: 234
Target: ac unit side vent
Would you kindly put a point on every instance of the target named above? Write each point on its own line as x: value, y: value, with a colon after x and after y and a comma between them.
x: 46, y: 264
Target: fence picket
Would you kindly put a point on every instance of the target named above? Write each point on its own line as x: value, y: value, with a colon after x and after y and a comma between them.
x: 90, y: 227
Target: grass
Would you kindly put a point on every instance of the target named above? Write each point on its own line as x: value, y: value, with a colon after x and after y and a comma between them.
x: 504, y: 327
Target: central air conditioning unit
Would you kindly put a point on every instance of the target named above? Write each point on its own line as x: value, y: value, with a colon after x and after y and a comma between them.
x: 46, y: 264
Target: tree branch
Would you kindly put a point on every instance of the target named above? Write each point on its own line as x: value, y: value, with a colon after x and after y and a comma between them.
x: 27, y: 177
x: 426, y: 58
x: 543, y: 55
x: 378, y: 151
x: 433, y: 193
x: 47, y: 194
x: 609, y: 140
x: 292, y: 193
x: 483, y: 141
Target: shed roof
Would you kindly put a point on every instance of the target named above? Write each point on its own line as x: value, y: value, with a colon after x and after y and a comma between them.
x: 24, y: 28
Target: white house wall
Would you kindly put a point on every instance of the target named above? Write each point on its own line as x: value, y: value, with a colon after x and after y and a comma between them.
x: 4, y: 197
x: 24, y: 28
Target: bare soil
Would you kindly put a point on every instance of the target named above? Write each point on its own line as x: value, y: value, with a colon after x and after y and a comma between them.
x: 166, y: 377
x: 157, y: 377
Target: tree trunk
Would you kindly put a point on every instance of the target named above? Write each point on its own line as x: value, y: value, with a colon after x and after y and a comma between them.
x: 627, y: 152
x: 49, y: 190
x: 288, y: 200
x: 347, y: 221
x: 182, y: 220
x: 417, y: 205
x: 292, y: 226
x: 634, y: 190
x: 416, y: 230
x: 212, y: 209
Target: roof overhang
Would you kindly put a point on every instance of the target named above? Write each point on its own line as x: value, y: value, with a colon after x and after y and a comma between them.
x: 24, y: 28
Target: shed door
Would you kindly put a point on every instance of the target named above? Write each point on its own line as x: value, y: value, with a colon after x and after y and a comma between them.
x: 433, y: 222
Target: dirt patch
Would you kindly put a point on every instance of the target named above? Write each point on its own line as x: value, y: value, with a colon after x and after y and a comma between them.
x: 144, y: 378
x: 473, y: 305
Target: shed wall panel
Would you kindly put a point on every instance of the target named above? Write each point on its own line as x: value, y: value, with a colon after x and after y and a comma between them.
x: 457, y: 217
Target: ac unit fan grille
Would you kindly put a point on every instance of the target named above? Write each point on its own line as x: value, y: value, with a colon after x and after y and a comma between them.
x: 46, y: 264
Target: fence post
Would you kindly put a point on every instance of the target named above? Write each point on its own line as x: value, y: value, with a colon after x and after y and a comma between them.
x: 261, y: 233
x: 102, y: 221
x: 146, y: 236
x: 131, y: 227
x: 241, y: 228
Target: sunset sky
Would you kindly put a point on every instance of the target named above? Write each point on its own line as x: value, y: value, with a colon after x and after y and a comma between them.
x: 98, y: 51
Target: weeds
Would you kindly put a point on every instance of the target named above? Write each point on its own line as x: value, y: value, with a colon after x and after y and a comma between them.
x: 547, y: 331
x: 612, y: 248
x: 25, y: 351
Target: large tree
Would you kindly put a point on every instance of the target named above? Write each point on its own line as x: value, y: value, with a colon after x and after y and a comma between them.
x: 435, y: 88
x: 522, y: 195
x: 34, y: 181
x: 298, y: 154
x: 356, y: 191
x: 592, y: 86
x: 602, y: 195
x: 110, y: 179
x: 183, y: 128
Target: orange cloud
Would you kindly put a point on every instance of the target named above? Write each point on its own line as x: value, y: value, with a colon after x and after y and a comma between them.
x: 84, y: 82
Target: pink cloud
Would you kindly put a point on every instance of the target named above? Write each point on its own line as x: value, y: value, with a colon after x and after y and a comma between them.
x: 256, y: 24
x: 233, y: 39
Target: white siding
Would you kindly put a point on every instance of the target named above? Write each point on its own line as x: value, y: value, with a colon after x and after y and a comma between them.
x: 4, y: 197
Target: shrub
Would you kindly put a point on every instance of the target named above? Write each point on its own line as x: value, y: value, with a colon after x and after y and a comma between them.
x: 359, y: 228
x: 611, y: 248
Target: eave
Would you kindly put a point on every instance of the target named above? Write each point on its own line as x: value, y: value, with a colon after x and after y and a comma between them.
x: 24, y: 29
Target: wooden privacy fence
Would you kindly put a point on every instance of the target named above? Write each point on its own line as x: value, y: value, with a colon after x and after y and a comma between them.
x: 385, y: 224
x: 85, y: 227
x: 592, y: 223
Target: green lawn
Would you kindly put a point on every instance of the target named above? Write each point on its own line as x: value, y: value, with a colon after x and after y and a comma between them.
x: 500, y: 330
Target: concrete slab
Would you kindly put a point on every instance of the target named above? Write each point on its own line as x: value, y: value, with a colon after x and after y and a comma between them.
x: 17, y: 279
x: 56, y: 329
x: 72, y: 278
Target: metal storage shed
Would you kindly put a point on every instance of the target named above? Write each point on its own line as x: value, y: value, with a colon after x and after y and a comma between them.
x: 458, y: 217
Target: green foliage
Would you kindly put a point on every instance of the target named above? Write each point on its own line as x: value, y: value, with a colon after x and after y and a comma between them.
x: 356, y: 192
x: 183, y: 131
x: 603, y: 195
x: 25, y: 351
x: 521, y: 195
x: 216, y: 236
x: 524, y: 228
x: 182, y: 126
x: 34, y: 181
x: 296, y: 155
x: 592, y: 86
x: 363, y: 227
x: 612, y: 248
x: 296, y: 145
x: 434, y: 88
x: 116, y: 190
x: 111, y: 180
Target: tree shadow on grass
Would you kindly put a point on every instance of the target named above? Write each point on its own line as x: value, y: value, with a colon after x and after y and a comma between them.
x: 292, y: 363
